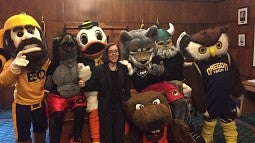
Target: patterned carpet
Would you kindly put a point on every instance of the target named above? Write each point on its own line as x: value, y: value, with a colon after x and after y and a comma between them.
x: 246, y: 131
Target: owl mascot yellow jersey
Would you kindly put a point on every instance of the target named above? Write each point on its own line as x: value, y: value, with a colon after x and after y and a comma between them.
x: 22, y: 38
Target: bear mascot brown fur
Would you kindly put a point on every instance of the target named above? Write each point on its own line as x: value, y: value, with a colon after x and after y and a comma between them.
x: 150, y: 120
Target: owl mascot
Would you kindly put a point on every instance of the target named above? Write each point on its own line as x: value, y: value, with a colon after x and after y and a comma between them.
x: 91, y: 40
x: 26, y: 71
x: 215, y: 80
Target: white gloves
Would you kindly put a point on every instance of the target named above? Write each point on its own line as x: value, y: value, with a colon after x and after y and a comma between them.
x: 84, y: 73
x: 129, y: 66
x: 19, y: 62
x: 186, y: 90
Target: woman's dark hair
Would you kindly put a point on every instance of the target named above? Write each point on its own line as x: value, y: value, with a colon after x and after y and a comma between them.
x: 105, y: 52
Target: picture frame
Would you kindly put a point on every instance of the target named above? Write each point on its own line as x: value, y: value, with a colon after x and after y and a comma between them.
x: 241, y: 40
x: 242, y: 16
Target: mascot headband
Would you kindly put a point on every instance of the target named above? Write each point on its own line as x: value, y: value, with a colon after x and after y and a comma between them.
x: 20, y: 20
x: 87, y: 24
x: 17, y: 20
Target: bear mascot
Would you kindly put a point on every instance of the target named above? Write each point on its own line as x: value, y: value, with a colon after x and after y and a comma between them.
x: 150, y: 120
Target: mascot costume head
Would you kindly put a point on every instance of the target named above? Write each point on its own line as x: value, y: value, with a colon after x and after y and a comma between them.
x: 140, y: 50
x: 92, y: 40
x: 24, y: 41
x: 151, y: 121
x: 15, y: 30
x: 215, y: 80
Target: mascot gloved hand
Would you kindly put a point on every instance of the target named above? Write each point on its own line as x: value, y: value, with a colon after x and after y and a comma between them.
x: 23, y: 40
x: 19, y: 62
x: 156, y: 69
x: 84, y: 74
x: 215, y: 80
x: 92, y: 41
x: 129, y: 66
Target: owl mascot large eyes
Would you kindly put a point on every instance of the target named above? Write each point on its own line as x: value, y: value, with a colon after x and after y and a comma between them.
x: 92, y: 41
x: 215, y: 80
x: 26, y: 70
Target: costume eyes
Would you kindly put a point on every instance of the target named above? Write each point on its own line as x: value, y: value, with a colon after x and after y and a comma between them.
x: 164, y: 42
x: 218, y: 45
x: 84, y: 38
x: 139, y: 106
x: 202, y: 50
x: 99, y: 35
x: 175, y: 92
x: 156, y: 101
x: 20, y: 33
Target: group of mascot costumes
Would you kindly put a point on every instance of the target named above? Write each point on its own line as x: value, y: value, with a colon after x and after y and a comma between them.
x: 158, y: 113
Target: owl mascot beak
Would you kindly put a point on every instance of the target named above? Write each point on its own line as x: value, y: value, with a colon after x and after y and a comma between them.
x: 212, y: 51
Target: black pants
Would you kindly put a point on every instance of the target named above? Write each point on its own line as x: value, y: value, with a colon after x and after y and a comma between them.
x: 23, y: 116
x: 57, y: 119
x: 112, y: 125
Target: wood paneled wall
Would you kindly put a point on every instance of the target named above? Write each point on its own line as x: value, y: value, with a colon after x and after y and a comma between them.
x: 188, y: 15
x: 227, y: 14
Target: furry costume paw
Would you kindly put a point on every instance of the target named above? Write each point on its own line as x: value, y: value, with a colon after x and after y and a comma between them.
x: 84, y: 72
x: 129, y: 66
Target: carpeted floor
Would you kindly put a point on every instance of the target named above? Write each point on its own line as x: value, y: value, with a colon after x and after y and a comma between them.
x: 246, y: 131
x: 245, y: 127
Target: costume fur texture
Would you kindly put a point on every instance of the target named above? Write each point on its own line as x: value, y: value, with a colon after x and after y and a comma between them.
x: 151, y: 121
x: 64, y: 70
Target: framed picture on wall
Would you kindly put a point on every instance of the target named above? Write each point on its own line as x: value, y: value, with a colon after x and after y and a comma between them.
x: 241, y: 40
x: 242, y: 16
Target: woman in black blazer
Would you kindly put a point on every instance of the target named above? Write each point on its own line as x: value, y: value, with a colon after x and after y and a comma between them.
x: 111, y: 81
